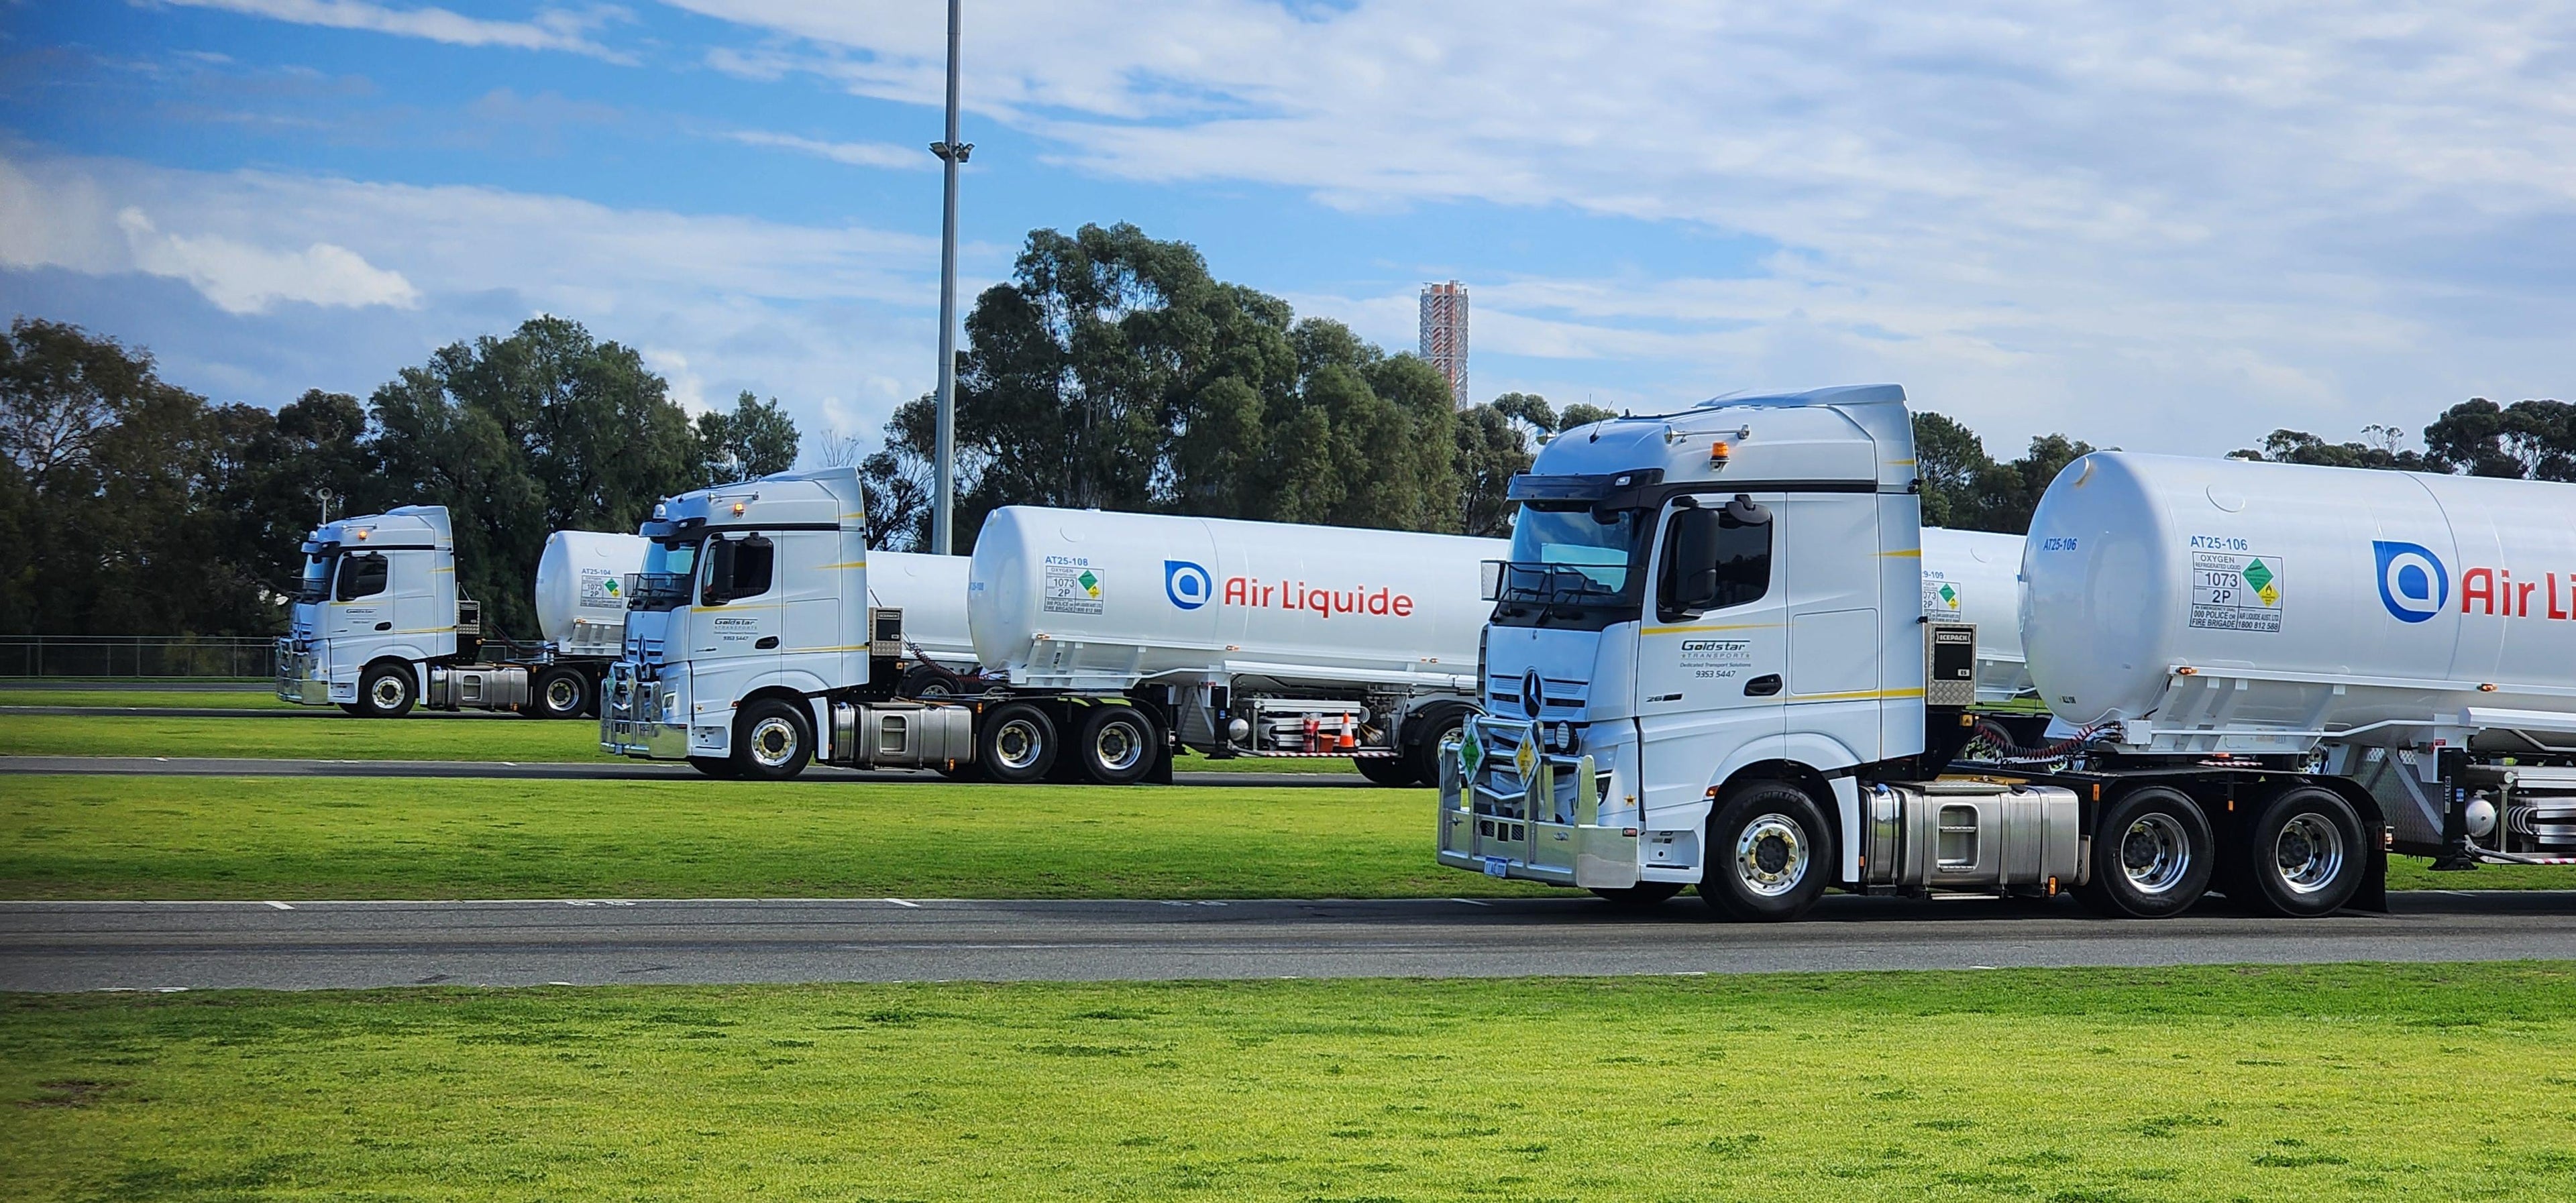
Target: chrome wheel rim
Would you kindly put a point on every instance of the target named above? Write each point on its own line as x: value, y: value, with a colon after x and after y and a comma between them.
x: 563, y: 693
x: 1017, y: 744
x: 1118, y: 746
x: 1771, y: 855
x: 2155, y: 853
x: 2308, y: 853
x: 773, y: 742
x: 935, y: 689
x: 389, y: 691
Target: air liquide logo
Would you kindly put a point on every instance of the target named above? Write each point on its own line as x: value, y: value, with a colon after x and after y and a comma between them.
x: 2412, y: 582
x: 1186, y: 584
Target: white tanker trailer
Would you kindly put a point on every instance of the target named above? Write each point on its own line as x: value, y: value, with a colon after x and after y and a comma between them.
x: 1710, y: 664
x: 1974, y: 576
x: 752, y: 647
x: 930, y: 593
x: 2413, y: 633
x: 379, y: 626
x: 1270, y: 639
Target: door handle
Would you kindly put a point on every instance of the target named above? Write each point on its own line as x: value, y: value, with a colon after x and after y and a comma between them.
x: 384, y: 626
x: 765, y: 642
x: 1762, y: 686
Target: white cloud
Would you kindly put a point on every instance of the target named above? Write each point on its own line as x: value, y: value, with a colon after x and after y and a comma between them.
x: 2168, y: 217
x: 855, y: 154
x: 717, y: 303
x: 552, y: 29
x: 688, y: 390
x: 241, y: 278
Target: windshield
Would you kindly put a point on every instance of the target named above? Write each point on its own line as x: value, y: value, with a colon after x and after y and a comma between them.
x: 1572, y: 567
x: 316, y: 584
x: 669, y: 568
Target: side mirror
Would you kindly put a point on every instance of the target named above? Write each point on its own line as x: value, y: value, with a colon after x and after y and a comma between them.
x: 1491, y: 572
x: 719, y: 587
x: 1691, y: 559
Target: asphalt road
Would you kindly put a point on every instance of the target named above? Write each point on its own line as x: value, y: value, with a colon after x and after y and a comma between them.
x: 639, y: 770
x: 313, y: 945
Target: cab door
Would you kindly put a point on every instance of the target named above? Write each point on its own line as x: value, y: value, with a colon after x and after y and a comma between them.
x: 734, y: 627
x: 361, y: 609
x: 1710, y: 678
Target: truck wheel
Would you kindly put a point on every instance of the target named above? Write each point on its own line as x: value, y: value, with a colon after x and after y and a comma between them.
x: 1394, y: 770
x: 1423, y: 758
x: 1118, y: 745
x: 387, y: 691
x: 1768, y: 855
x: 926, y: 681
x: 561, y: 693
x: 2304, y: 854
x: 1639, y: 896
x: 2152, y: 856
x: 1017, y: 744
x: 722, y: 768
x: 772, y: 740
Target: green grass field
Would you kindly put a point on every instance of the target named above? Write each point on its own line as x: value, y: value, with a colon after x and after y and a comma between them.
x: 292, y: 837
x: 527, y: 741
x: 295, y: 837
x: 180, y: 698
x: 2345, y: 1082
x: 317, y: 738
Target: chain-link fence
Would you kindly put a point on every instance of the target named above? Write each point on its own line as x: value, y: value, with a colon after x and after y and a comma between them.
x: 204, y: 656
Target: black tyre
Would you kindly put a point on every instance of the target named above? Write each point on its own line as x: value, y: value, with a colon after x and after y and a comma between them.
x: 387, y: 691
x: 562, y: 693
x: 722, y: 768
x: 927, y: 681
x: 1118, y: 745
x: 2153, y: 856
x: 772, y: 740
x: 1769, y: 854
x: 962, y: 772
x: 1394, y: 771
x: 1639, y: 896
x: 1422, y: 757
x: 2305, y: 854
x: 1016, y: 744
x: 353, y: 710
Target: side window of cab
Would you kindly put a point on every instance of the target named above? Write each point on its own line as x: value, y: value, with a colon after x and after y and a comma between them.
x: 362, y: 574
x: 1714, y: 559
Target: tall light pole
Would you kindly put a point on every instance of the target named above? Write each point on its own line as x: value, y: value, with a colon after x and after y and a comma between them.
x: 951, y: 153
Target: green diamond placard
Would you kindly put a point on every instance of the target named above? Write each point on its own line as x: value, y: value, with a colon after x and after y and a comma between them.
x: 2258, y: 574
x: 1471, y: 752
x: 1090, y: 584
x: 1950, y: 596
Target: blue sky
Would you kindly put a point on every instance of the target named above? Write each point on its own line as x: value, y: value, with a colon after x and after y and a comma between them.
x: 2172, y: 230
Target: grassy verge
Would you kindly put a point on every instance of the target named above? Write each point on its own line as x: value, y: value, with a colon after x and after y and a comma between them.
x: 218, y: 699
x: 2345, y: 1082
x: 231, y: 837
x: 222, y: 837
x: 341, y: 738
x: 335, y: 738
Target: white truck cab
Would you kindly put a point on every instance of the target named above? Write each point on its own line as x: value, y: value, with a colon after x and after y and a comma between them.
x: 1708, y: 644
x: 377, y: 604
x: 379, y: 625
x: 750, y: 645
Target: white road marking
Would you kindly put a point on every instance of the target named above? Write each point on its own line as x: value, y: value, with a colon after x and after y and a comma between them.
x: 280, y: 905
x: 1471, y: 902
x: 900, y: 902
